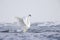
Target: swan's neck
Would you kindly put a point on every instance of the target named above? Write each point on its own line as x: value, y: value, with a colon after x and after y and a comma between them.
x: 28, y: 21
x: 28, y: 18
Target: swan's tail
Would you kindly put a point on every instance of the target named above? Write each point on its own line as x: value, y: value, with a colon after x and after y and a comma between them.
x: 25, y: 29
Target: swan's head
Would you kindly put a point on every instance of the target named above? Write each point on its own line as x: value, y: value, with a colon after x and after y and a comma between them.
x: 30, y: 15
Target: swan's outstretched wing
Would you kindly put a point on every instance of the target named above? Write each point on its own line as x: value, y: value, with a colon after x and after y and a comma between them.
x: 20, y: 20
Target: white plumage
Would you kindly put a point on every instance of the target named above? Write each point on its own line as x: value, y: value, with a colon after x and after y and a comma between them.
x: 24, y: 22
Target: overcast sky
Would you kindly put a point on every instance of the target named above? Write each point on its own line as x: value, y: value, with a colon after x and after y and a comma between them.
x: 41, y: 10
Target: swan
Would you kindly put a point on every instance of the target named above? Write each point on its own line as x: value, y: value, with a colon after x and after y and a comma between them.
x: 25, y: 21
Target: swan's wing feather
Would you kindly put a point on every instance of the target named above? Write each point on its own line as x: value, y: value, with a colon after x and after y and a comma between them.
x: 20, y: 20
x: 25, y: 21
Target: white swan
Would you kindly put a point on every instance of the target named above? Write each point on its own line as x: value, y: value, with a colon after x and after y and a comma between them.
x: 25, y: 22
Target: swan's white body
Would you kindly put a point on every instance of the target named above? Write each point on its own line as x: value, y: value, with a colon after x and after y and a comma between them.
x: 25, y: 22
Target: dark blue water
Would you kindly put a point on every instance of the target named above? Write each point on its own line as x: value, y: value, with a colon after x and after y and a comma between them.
x: 37, y: 31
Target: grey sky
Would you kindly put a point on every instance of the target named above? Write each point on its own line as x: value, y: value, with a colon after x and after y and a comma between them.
x: 41, y: 10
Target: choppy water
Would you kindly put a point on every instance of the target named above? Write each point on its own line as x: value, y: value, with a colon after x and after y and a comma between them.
x: 36, y: 32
